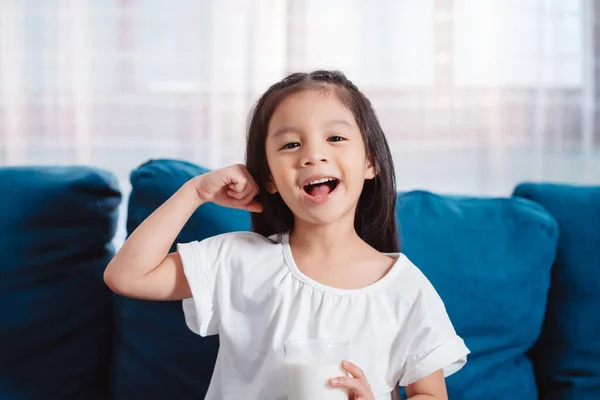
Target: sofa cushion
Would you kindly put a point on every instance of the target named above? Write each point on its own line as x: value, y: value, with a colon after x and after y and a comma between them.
x: 56, y: 227
x: 489, y: 259
x: 567, y: 356
x: 156, y: 355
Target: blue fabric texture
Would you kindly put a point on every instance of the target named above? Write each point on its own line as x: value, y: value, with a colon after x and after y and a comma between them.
x: 56, y: 227
x: 567, y: 356
x: 490, y: 260
x: 156, y: 356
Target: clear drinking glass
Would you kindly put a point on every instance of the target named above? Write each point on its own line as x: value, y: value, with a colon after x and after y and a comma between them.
x: 310, y: 364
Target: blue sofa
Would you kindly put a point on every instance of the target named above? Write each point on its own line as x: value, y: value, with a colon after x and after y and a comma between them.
x: 520, y: 277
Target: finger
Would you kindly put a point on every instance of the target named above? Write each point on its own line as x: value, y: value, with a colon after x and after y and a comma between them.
x: 250, y: 177
x: 239, y: 186
x: 240, y: 195
x: 249, y: 201
x: 249, y: 198
x: 253, y: 189
x: 241, y: 190
x: 353, y: 385
x: 236, y: 180
x: 251, y: 184
x: 354, y: 370
x: 252, y: 206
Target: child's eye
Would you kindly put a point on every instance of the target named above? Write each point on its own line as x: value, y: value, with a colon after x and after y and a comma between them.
x: 336, y: 139
x: 290, y: 145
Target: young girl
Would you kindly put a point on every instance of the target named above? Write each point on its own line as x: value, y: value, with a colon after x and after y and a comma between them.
x: 323, y: 260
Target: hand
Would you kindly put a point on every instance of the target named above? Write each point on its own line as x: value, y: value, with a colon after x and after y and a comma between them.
x: 231, y: 187
x: 357, y: 386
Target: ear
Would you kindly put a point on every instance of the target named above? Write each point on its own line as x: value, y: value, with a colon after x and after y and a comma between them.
x: 371, y: 171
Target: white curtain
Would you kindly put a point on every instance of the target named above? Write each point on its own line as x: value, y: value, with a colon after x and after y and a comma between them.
x: 474, y: 95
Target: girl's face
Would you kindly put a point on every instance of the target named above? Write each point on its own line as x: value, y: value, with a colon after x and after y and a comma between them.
x: 317, y: 158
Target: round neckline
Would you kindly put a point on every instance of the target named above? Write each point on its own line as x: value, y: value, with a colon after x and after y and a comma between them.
x: 293, y: 267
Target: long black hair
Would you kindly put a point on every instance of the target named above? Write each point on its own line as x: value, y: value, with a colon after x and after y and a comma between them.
x: 375, y: 219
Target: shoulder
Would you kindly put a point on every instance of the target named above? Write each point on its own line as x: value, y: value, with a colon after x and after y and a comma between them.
x: 410, y: 277
x: 232, y: 247
x: 238, y: 240
x: 411, y: 288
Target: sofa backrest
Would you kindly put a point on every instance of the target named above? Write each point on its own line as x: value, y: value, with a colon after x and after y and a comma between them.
x: 56, y: 228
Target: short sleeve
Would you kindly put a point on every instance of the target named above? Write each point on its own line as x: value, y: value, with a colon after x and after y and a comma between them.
x: 435, y: 344
x: 201, y: 262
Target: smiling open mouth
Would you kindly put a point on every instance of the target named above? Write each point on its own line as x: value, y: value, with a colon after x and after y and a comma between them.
x: 321, y: 187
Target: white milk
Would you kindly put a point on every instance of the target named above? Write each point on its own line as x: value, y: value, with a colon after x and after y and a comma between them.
x: 311, y: 382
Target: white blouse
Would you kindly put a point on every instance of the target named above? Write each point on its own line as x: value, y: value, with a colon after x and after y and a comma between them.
x: 248, y: 290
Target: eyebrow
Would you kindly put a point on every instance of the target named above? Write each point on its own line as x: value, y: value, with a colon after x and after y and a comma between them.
x: 293, y: 129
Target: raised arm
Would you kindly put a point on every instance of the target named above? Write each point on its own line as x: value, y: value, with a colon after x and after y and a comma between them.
x: 143, y: 267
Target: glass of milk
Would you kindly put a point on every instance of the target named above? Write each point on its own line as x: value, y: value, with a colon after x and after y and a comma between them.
x: 310, y: 364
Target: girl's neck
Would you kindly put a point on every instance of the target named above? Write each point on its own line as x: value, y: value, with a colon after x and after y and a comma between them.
x: 324, y: 240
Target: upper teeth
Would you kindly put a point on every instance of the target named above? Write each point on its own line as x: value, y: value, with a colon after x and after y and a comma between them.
x: 323, y: 180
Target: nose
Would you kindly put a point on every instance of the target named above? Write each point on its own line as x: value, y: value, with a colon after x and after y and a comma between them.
x: 313, y: 155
